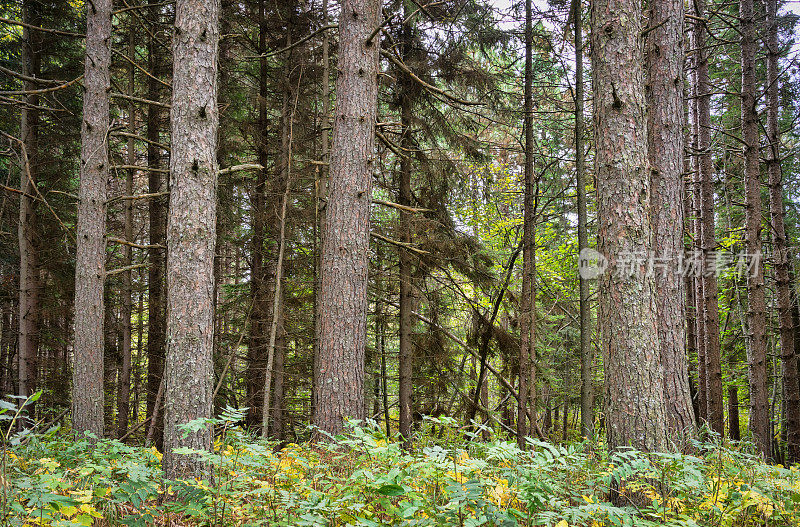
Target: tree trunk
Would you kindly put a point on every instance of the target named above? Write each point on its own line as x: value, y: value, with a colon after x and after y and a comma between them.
x: 696, y: 280
x: 733, y: 413
x: 124, y: 388
x: 90, y: 257
x: 156, y: 284
x: 256, y: 346
x: 635, y: 410
x: 321, y: 192
x: 527, y: 303
x: 791, y: 389
x: 343, y: 294
x: 191, y: 233
x: 756, y: 305
x: 713, y: 371
x: 278, y: 387
x: 587, y: 352
x: 406, y: 263
x: 28, y: 317
x: 665, y: 114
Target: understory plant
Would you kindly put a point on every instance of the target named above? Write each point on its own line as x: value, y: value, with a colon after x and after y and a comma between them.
x: 363, y: 478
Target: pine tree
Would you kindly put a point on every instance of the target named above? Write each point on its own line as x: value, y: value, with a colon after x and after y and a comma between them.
x: 90, y: 259
x: 342, y: 311
x: 191, y: 233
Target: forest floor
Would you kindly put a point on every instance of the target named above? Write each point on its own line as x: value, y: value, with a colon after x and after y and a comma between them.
x: 363, y: 479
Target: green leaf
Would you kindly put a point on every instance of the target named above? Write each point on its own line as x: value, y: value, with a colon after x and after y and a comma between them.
x: 391, y: 490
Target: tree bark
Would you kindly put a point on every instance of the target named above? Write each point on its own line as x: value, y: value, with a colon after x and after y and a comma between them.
x: 791, y: 389
x: 733, y: 413
x: 191, y: 233
x: 635, y: 410
x: 527, y: 309
x: 756, y: 305
x: 156, y: 283
x: 28, y: 317
x: 405, y: 268
x: 587, y: 352
x: 278, y: 388
x: 665, y: 57
x: 711, y: 349
x: 256, y: 346
x: 124, y: 386
x: 90, y: 258
x: 343, y: 294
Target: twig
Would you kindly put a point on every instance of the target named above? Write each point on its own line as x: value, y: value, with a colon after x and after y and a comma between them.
x: 239, y: 168
x: 125, y: 269
x: 137, y: 167
x: 397, y: 243
x: 139, y: 196
x: 43, y: 90
x: 404, y: 208
x: 133, y: 244
x: 139, y: 100
x: 44, y: 29
x: 292, y: 46
x: 140, y: 138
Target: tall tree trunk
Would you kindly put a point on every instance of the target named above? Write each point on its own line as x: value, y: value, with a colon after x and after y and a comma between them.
x: 405, y: 197
x: 711, y: 349
x: 634, y: 400
x: 343, y: 294
x: 28, y: 304
x: 156, y: 281
x: 191, y: 233
x: 665, y: 114
x: 277, y: 305
x: 791, y: 389
x: 90, y: 257
x: 527, y: 310
x: 277, y: 219
x: 587, y: 352
x: 124, y: 387
x: 258, y: 277
x: 696, y: 280
x: 321, y: 192
x: 756, y: 305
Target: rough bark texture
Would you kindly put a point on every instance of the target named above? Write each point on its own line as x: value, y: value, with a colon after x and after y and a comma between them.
x: 28, y: 317
x: 90, y: 258
x: 156, y: 284
x: 665, y: 57
x: 191, y: 232
x: 124, y: 385
x: 756, y: 306
x: 259, y: 279
x: 406, y: 321
x: 342, y: 315
x: 587, y: 352
x: 635, y: 411
x: 711, y: 349
x: 527, y: 300
x: 695, y: 281
x: 791, y: 389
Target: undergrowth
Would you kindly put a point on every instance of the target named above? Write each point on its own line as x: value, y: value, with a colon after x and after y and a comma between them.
x: 362, y: 478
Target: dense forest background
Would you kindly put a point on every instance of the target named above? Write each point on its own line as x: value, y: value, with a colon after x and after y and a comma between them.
x: 483, y: 192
